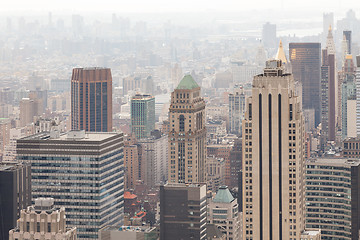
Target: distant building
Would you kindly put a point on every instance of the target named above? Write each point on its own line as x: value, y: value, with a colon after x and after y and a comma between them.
x: 82, y: 171
x: 273, y: 158
x: 221, y: 151
x: 305, y: 61
x: 351, y: 148
x: 142, y: 115
x: 223, y: 212
x: 269, y: 35
x: 133, y: 162
x: 155, y: 155
x: 187, y: 136
x: 91, y: 99
x: 236, y: 110
x: 348, y: 107
x: 15, y: 194
x: 128, y: 233
x: 235, y: 163
x: 332, y: 197
x: 183, y: 213
x: 29, y: 108
x: 215, y: 173
x: 42, y: 221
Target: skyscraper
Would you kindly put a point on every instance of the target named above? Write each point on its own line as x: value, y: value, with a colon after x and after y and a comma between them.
x: 183, y: 213
x: 273, y: 158
x: 347, y: 35
x: 236, y: 110
x: 328, y: 78
x: 187, y: 136
x: 15, y: 194
x: 269, y: 35
x: 305, y: 62
x: 357, y: 79
x: 42, y: 221
x: 83, y: 172
x: 333, y: 197
x: 91, y: 99
x: 142, y: 115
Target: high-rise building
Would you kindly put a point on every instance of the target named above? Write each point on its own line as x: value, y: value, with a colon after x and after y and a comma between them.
x: 329, y: 78
x: 15, y: 194
x: 142, y: 115
x: 348, y: 107
x: 357, y: 79
x: 224, y: 213
x: 273, y: 158
x: 82, y: 171
x: 328, y: 20
x: 215, y: 173
x: 235, y: 163
x: 183, y: 211
x: 269, y: 35
x: 91, y: 99
x: 134, y: 166
x: 155, y: 155
x: 43, y: 221
x: 333, y: 197
x: 128, y: 233
x: 29, y: 108
x: 305, y: 62
x: 347, y: 35
x: 187, y: 136
x: 351, y: 148
x: 236, y: 110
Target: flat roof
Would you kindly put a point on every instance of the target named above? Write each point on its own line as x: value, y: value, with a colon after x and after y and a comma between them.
x: 128, y: 228
x: 8, y: 166
x: 72, y: 135
x: 334, y: 161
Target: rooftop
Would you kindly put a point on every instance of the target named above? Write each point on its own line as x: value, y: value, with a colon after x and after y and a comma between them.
x: 73, y: 135
x: 10, y: 166
x: 223, y: 195
x: 128, y: 228
x: 334, y: 161
x: 187, y: 83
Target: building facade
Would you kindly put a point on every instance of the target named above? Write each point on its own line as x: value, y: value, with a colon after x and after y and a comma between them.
x: 82, y: 171
x: 91, y: 99
x: 187, y: 136
x: 42, y: 221
x: 273, y: 158
x: 142, y: 115
x: 223, y: 212
x: 332, y: 197
x: 236, y: 110
x: 15, y: 194
x: 128, y: 233
x: 305, y: 61
x: 183, y: 211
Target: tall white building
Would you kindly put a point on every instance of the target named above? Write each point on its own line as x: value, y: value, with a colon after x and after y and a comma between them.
x: 43, y: 221
x: 273, y: 158
x: 358, y: 94
x: 155, y: 156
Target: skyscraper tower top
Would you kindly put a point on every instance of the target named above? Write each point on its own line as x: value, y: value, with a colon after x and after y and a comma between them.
x: 330, y: 45
x: 187, y: 83
x: 280, y: 55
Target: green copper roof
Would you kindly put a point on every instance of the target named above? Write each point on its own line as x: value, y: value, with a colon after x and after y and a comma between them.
x: 223, y: 195
x: 187, y: 83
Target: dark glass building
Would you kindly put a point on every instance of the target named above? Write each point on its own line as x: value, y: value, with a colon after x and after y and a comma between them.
x: 15, y: 194
x: 183, y: 213
x: 91, y: 99
x: 305, y: 60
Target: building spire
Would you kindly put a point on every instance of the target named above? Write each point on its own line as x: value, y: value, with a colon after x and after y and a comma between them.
x: 330, y: 45
x: 280, y: 55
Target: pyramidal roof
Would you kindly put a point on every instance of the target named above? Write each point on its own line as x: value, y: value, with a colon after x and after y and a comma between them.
x: 187, y: 83
x: 223, y: 195
x: 280, y: 55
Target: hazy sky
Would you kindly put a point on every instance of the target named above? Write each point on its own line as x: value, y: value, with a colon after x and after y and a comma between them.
x: 178, y: 5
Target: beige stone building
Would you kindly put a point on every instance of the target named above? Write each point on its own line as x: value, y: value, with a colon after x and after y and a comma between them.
x: 187, y: 136
x: 42, y: 221
x: 273, y: 158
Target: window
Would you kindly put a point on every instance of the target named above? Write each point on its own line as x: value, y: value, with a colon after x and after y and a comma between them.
x: 181, y: 123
